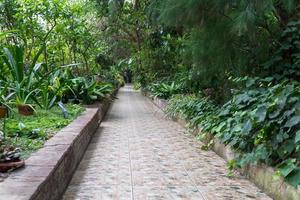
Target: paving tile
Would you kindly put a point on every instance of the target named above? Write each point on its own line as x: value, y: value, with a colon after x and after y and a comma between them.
x: 139, y: 154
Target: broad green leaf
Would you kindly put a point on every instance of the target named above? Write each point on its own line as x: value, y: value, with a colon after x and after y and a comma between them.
x: 286, y: 149
x: 294, y: 177
x: 261, y: 113
x: 292, y: 122
x: 297, y: 137
x: 247, y: 127
x: 287, y: 167
x: 274, y: 114
x: 261, y: 152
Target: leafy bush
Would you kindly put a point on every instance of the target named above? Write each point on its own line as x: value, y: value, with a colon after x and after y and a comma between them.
x: 261, y: 122
x: 195, y: 109
x: 43, y: 86
x: 164, y: 90
x: 112, y: 76
x: 36, y: 74
x: 87, y: 91
x: 22, y: 82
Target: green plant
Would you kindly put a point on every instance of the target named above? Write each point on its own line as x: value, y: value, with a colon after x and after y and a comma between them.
x: 35, y: 57
x: 112, y: 76
x: 20, y: 81
x: 194, y: 108
x: 50, y: 92
x: 136, y: 85
x: 284, y: 63
x: 164, y: 90
x: 263, y: 122
x: 5, y: 96
x: 13, y: 59
x: 23, y: 95
x: 260, y: 122
x: 88, y: 91
x: 30, y: 132
x: 231, y: 166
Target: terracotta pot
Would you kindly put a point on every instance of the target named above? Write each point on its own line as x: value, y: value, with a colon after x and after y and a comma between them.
x: 6, y: 166
x: 25, y: 110
x: 3, y: 112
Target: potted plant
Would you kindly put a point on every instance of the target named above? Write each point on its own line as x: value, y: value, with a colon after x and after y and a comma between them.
x: 25, y: 109
x: 22, y: 96
x: 21, y: 84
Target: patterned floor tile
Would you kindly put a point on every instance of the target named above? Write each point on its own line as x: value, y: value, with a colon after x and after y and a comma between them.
x: 139, y: 154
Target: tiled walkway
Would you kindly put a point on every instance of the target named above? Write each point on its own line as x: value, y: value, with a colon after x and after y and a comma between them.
x: 139, y: 154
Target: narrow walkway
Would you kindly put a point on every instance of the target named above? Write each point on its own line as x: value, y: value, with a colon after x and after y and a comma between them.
x: 137, y: 154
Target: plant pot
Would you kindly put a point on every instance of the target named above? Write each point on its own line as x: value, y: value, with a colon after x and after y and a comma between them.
x: 26, y: 110
x: 6, y: 166
x: 3, y: 112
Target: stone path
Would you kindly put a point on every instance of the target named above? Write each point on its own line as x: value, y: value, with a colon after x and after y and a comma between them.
x: 138, y: 154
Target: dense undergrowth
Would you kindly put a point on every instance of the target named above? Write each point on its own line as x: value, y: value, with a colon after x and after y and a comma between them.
x: 52, y: 61
x: 260, y: 122
x: 230, y: 68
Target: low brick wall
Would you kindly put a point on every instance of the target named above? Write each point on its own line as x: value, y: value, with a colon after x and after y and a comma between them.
x: 261, y: 175
x: 49, y: 170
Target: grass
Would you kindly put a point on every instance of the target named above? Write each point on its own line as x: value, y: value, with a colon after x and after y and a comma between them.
x: 29, y: 133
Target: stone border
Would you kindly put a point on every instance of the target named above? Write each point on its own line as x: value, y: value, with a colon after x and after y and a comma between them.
x: 48, y: 171
x: 261, y: 175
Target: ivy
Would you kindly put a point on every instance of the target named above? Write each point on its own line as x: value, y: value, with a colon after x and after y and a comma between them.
x: 261, y: 122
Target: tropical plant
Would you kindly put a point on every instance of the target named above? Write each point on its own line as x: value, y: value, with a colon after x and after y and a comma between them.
x: 5, y: 97
x: 164, y: 90
x: 20, y: 79
x: 88, y: 91
x: 49, y: 94
x: 44, y: 47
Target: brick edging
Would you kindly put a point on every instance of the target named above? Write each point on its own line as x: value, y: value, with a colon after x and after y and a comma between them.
x: 261, y: 175
x: 48, y: 171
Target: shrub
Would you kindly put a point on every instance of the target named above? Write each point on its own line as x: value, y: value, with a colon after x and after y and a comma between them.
x: 261, y: 122
x: 164, y: 90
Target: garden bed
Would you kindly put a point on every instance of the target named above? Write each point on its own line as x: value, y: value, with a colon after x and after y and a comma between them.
x: 49, y: 170
x: 261, y: 175
x: 29, y: 133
